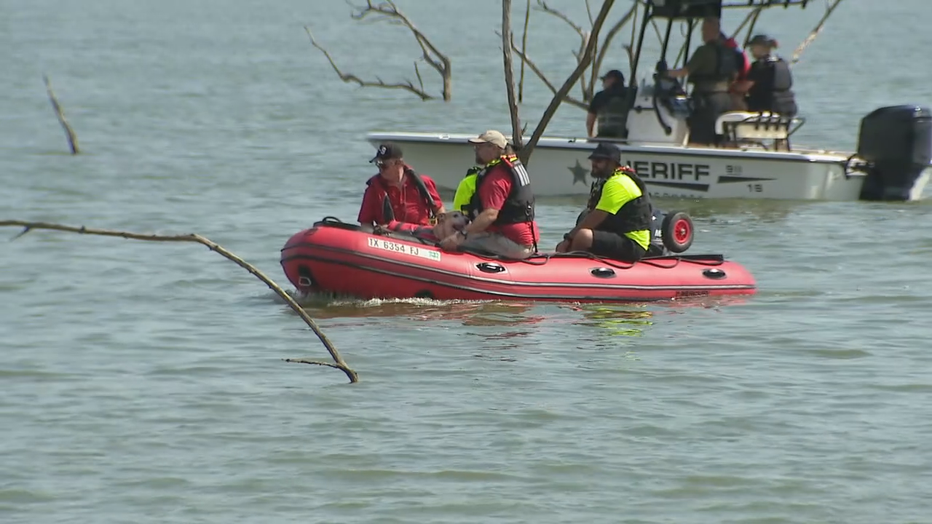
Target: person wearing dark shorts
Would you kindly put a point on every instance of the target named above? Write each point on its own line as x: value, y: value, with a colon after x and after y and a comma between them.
x: 619, y: 216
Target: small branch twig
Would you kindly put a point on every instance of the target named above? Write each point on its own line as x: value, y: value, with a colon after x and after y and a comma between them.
x: 568, y: 84
x: 527, y: 18
x: 510, y: 75
x: 348, y: 77
x: 543, y: 78
x: 542, y: 6
x: 72, y: 136
x: 814, y: 33
x: 338, y: 362
x: 614, y: 30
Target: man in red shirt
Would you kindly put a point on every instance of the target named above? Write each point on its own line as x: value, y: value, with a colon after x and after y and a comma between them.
x: 398, y: 198
x: 502, y: 207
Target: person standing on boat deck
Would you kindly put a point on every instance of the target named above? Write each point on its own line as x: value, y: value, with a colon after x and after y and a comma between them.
x: 398, y: 198
x: 609, y: 107
x: 770, y: 80
x: 502, y: 206
x: 619, y: 223
x: 712, y: 69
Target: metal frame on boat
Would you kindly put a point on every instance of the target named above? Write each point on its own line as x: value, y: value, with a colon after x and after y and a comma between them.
x: 893, y: 160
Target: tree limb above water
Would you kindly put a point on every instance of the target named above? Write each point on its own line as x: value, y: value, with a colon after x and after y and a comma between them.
x: 338, y: 362
x: 389, y: 12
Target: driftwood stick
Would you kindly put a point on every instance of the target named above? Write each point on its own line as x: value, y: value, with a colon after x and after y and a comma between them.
x: 561, y: 94
x: 527, y: 18
x: 815, y: 32
x: 510, y: 75
x: 338, y: 362
x: 348, y: 77
x: 72, y: 136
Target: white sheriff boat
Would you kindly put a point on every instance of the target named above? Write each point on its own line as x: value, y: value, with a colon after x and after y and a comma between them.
x: 893, y: 160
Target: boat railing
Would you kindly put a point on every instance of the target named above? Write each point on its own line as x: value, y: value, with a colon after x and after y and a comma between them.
x: 745, y: 127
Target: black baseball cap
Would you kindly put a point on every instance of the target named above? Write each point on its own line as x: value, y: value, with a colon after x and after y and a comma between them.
x: 387, y: 151
x: 614, y: 73
x: 607, y: 152
x: 763, y: 40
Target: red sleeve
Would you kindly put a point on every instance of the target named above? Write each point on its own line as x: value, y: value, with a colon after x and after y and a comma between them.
x: 367, y: 214
x: 432, y: 191
x: 494, y: 191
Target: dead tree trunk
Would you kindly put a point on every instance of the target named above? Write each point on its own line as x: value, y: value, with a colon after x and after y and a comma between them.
x: 509, y: 75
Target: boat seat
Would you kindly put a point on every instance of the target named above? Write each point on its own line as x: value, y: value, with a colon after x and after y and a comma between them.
x: 744, y: 125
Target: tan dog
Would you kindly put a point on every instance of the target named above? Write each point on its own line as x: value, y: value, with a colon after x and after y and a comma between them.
x: 449, y: 223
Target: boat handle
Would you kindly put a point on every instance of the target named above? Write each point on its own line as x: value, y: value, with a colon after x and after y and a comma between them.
x: 602, y: 272
x: 490, y: 267
x: 714, y: 274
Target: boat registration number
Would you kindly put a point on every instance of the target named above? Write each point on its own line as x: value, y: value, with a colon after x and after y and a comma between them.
x: 405, y: 249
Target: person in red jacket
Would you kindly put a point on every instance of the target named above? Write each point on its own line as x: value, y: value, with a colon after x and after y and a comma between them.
x: 397, y: 198
x: 739, y: 86
x: 502, y: 208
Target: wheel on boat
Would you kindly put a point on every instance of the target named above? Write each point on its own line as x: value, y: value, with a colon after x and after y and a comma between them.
x: 677, y: 232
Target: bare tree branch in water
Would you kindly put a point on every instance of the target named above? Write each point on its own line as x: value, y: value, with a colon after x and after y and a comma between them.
x: 338, y: 362
x: 389, y: 12
x: 587, y: 85
x: 525, y: 59
x: 527, y: 18
x: 815, y: 32
x: 507, y: 44
x: 72, y: 136
x: 586, y: 59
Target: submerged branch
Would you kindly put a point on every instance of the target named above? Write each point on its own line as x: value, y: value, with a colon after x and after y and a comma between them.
x: 72, y: 136
x: 338, y: 362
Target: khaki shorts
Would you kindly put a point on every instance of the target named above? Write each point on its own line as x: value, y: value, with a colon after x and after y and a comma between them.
x: 497, y: 244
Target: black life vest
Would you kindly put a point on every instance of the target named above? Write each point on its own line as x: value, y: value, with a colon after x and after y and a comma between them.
x: 726, y: 67
x: 613, y: 116
x: 388, y: 214
x: 519, y: 206
x: 635, y: 215
x: 772, y: 89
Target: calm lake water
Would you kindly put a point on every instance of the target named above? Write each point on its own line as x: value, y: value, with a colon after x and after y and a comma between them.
x: 143, y: 382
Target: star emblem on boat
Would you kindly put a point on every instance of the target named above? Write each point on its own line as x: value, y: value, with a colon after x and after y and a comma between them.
x: 579, y: 173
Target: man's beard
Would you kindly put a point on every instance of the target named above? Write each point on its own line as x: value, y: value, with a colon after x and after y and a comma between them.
x: 604, y: 173
x: 479, y: 159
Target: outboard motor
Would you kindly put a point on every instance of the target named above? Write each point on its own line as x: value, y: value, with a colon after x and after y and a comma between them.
x: 896, y: 144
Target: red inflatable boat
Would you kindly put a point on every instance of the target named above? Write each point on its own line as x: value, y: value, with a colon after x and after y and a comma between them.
x: 341, y: 258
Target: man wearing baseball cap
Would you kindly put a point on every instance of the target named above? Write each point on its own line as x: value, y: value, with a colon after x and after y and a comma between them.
x: 500, y: 202
x: 770, y: 79
x: 619, y: 220
x: 397, y: 197
x: 609, y: 108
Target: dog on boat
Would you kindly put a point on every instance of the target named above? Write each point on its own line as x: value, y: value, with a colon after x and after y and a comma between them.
x: 449, y: 223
